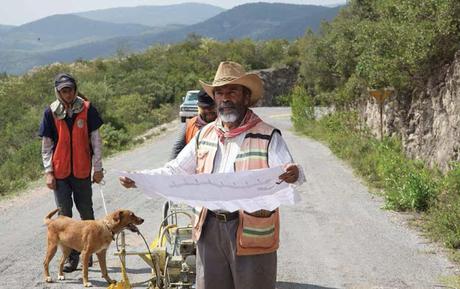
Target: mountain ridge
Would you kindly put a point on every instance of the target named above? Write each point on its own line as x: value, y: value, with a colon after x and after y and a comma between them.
x: 51, y: 31
x: 156, y: 15
x: 258, y: 21
x: 4, y: 27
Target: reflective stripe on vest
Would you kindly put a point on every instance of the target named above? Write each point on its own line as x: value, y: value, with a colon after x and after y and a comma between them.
x: 72, y: 154
x: 253, y: 151
x: 253, y: 155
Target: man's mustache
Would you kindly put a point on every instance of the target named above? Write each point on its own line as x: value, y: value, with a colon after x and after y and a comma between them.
x: 227, y: 105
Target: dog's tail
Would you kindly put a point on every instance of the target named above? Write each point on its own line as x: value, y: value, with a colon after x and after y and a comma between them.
x: 48, y: 217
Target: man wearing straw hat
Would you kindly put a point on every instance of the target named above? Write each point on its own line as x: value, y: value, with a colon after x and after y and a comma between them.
x: 235, y: 250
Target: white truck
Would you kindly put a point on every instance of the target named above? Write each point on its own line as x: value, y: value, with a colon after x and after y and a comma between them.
x: 189, y: 107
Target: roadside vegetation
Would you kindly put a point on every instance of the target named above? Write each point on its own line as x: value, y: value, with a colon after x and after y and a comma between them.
x: 376, y: 44
x: 132, y: 92
x: 405, y: 184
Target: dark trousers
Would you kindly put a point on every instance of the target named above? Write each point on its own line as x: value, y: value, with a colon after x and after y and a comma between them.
x: 70, y: 190
x: 218, y: 266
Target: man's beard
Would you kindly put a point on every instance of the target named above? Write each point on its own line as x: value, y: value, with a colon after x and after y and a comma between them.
x: 229, y: 116
x: 232, y: 115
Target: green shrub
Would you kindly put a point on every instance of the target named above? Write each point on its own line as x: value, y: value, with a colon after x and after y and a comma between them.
x: 443, y: 221
x: 302, y: 106
x: 113, y: 139
x: 282, y: 100
x: 377, y: 44
x: 452, y: 180
x: 407, y: 184
x: 412, y: 190
x: 23, y: 166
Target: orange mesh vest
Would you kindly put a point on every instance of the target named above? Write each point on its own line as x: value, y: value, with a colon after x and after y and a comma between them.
x: 253, y: 155
x: 191, y: 129
x: 72, y: 154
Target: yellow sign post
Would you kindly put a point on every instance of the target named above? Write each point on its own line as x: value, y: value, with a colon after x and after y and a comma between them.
x: 380, y: 95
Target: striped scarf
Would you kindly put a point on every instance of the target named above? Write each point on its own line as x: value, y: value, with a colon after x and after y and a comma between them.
x: 248, y: 122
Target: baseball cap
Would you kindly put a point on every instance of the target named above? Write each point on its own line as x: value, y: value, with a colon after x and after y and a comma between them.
x: 204, y: 100
x: 64, y: 80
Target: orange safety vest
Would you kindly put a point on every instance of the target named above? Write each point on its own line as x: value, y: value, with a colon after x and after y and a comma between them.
x: 253, y: 155
x: 191, y: 129
x: 72, y: 154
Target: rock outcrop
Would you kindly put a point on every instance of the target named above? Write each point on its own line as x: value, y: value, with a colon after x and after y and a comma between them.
x: 277, y: 82
x: 428, y: 121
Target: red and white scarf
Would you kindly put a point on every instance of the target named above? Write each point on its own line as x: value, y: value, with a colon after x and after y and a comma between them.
x: 248, y: 122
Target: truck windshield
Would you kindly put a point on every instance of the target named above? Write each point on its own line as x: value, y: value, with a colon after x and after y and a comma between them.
x: 191, y: 97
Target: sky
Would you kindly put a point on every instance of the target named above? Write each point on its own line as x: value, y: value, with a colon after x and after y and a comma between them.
x: 17, y: 12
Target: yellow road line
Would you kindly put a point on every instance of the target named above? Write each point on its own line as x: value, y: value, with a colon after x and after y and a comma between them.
x: 280, y: 115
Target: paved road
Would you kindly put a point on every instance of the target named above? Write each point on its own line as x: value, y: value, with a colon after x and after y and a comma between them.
x: 336, y: 237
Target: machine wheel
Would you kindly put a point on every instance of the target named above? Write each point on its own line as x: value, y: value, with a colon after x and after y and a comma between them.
x: 183, y: 119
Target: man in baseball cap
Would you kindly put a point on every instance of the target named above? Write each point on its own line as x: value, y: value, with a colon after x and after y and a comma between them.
x: 71, y: 149
x: 206, y: 114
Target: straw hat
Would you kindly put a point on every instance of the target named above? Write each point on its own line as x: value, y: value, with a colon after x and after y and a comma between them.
x: 233, y: 73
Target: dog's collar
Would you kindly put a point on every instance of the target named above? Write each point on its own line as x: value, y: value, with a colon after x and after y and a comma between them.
x: 110, y: 230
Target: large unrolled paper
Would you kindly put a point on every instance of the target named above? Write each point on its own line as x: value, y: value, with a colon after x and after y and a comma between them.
x: 248, y: 190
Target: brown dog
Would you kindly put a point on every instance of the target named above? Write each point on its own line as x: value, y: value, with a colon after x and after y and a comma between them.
x: 87, y: 237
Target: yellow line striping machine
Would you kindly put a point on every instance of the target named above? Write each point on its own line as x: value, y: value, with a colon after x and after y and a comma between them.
x: 171, y: 256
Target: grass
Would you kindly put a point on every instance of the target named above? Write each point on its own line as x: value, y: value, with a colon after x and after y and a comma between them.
x: 450, y: 281
x: 405, y: 184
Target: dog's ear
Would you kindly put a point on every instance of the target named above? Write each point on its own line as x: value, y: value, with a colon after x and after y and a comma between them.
x: 117, y: 217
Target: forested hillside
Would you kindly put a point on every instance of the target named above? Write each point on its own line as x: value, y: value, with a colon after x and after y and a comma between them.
x: 257, y: 21
x: 261, y: 21
x: 377, y: 44
x: 132, y: 92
